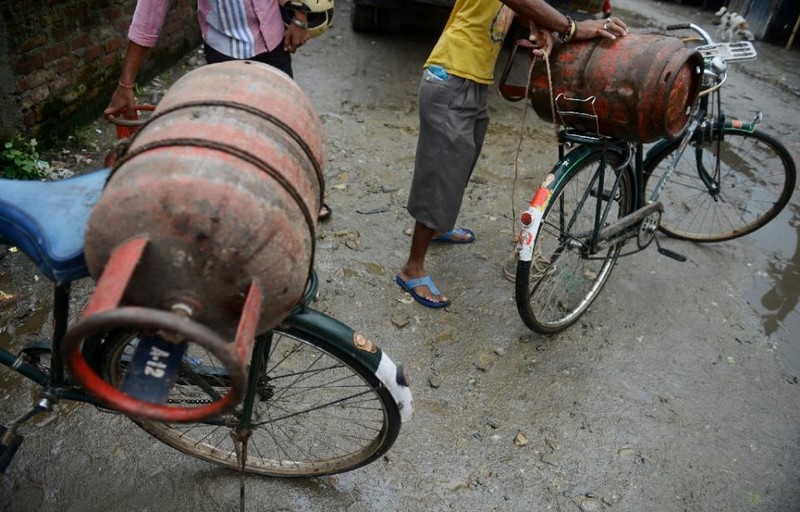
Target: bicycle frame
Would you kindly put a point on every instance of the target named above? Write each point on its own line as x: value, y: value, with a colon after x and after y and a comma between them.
x: 602, y: 236
x: 54, y: 383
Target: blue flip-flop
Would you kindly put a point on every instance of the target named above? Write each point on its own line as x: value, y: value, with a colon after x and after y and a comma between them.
x: 422, y: 281
x: 456, y: 236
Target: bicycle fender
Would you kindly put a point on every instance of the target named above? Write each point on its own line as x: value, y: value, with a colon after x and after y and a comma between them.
x: 531, y: 218
x: 355, y: 344
x: 730, y: 125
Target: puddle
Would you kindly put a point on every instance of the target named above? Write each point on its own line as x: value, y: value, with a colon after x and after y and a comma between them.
x: 776, y: 293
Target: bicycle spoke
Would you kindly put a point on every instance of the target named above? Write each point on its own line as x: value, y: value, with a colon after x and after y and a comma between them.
x: 754, y: 178
x: 313, y: 411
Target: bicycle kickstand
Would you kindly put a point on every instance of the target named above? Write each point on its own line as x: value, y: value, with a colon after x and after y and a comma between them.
x: 10, y: 440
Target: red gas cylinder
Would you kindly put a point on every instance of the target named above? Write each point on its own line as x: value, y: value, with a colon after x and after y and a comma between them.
x: 639, y: 88
x: 225, y: 181
x: 203, y: 235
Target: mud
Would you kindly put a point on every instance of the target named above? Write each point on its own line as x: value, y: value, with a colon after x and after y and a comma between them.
x: 677, y: 391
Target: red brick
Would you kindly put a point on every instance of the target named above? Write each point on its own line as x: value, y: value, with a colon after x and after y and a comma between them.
x: 33, y: 79
x: 55, y: 52
x: 66, y: 64
x: 31, y: 43
x: 114, y: 45
x: 92, y: 54
x: 35, y: 96
x: 28, y: 64
x: 81, y: 41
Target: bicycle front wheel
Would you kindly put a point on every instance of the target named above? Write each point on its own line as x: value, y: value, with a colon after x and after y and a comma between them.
x: 565, y: 275
x: 316, y: 409
x: 722, y: 189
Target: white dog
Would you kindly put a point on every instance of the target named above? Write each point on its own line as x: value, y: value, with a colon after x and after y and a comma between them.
x: 732, y: 25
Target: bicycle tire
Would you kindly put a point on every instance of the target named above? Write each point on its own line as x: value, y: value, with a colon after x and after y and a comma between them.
x: 756, y: 179
x: 559, y: 284
x: 318, y: 411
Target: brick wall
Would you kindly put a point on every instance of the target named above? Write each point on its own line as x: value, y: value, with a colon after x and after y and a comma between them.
x: 60, y: 59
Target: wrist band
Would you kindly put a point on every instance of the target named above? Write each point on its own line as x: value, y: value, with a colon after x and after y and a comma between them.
x: 569, y: 33
x: 126, y: 86
x: 301, y: 24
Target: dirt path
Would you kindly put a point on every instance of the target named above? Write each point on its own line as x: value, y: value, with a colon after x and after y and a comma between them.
x: 668, y: 395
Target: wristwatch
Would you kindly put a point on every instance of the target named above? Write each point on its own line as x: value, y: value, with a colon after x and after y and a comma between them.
x: 301, y: 24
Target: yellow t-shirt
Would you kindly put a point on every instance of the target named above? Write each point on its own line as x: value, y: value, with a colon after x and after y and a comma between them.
x: 472, y: 38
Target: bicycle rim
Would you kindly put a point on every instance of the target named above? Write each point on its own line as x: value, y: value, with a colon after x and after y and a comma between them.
x: 754, y: 181
x: 317, y: 411
x: 559, y: 284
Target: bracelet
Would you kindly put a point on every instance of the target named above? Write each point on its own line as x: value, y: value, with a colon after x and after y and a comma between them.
x: 301, y: 24
x: 126, y: 86
x: 569, y: 33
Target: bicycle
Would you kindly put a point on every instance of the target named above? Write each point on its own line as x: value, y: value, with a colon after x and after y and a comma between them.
x: 320, y: 398
x: 730, y: 179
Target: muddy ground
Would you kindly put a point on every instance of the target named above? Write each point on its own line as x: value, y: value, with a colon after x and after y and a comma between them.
x: 677, y: 391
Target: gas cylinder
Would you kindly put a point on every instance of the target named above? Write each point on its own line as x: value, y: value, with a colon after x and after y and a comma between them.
x: 225, y: 182
x: 639, y: 88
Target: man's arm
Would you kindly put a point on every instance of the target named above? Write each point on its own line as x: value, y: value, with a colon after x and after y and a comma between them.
x: 548, y: 18
x: 142, y: 35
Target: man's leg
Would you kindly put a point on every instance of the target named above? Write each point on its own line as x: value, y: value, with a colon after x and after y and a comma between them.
x: 415, y: 265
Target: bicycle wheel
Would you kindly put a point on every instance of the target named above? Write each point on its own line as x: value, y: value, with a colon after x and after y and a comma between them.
x: 563, y: 278
x: 753, y: 182
x: 316, y: 409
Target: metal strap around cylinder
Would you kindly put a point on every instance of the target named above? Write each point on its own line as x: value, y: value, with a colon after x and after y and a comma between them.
x: 249, y: 158
x: 250, y: 110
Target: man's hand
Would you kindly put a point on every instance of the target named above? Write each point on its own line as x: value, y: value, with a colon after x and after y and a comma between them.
x: 542, y: 39
x: 610, y: 28
x: 123, y: 102
x: 295, y: 35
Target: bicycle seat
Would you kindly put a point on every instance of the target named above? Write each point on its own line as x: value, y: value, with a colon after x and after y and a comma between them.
x: 46, y: 220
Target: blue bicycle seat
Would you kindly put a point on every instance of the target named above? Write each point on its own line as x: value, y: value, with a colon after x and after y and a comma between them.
x: 47, y: 219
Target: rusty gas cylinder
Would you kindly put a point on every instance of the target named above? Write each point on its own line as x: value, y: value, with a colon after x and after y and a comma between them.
x: 225, y: 181
x: 639, y: 88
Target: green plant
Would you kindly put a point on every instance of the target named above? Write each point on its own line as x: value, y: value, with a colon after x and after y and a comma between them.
x: 20, y: 160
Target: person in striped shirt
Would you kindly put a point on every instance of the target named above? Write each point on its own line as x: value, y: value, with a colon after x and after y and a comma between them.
x: 231, y: 30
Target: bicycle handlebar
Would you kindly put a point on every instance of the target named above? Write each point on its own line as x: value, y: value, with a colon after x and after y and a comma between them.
x: 691, y: 26
x: 717, y: 71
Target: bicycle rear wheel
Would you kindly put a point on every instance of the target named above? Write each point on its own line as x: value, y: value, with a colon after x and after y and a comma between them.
x: 317, y: 410
x: 751, y: 184
x: 559, y: 284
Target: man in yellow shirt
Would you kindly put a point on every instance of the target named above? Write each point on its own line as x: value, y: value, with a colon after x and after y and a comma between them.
x: 454, y: 115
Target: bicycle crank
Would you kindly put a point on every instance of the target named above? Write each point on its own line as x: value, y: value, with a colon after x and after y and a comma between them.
x: 647, y: 229
x: 607, y: 235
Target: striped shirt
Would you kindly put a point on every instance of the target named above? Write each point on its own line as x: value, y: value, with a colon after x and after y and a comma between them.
x: 237, y: 28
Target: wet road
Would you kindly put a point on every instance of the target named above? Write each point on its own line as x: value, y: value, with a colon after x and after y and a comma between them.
x: 669, y: 395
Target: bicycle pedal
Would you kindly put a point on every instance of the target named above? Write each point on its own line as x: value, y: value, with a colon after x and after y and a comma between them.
x: 672, y: 254
x: 9, y: 443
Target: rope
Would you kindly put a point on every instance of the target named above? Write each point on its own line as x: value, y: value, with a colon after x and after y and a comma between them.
x: 511, y: 276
